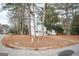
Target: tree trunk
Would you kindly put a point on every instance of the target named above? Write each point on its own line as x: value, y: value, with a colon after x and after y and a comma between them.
x: 34, y: 20
x: 29, y: 20
x: 67, y: 19
x: 45, y: 7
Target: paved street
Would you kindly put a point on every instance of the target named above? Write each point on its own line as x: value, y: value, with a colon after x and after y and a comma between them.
x: 47, y: 52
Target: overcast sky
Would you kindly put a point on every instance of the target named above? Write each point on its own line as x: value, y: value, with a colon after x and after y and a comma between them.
x: 3, y: 17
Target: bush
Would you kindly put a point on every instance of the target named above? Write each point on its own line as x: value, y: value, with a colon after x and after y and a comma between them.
x: 58, y: 29
x: 75, y: 31
x: 12, y: 31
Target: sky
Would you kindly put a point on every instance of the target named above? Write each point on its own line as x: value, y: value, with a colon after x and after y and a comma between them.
x: 3, y: 17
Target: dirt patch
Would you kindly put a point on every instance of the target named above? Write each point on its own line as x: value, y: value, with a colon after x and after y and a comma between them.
x: 25, y: 41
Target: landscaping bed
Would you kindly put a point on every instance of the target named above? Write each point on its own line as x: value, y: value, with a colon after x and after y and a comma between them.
x: 40, y: 42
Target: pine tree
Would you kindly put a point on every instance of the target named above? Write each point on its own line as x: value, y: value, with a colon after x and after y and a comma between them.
x: 75, y: 25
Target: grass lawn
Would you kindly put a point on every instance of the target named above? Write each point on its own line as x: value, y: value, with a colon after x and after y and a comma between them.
x: 25, y: 41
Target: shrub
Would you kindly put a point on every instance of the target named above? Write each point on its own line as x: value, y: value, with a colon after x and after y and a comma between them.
x: 58, y: 29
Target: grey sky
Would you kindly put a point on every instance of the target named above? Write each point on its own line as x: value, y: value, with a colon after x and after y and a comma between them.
x: 3, y: 17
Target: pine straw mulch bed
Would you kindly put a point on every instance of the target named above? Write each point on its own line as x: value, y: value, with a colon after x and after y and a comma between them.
x: 40, y: 42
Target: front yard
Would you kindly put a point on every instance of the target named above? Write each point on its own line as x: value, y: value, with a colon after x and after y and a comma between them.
x: 25, y: 41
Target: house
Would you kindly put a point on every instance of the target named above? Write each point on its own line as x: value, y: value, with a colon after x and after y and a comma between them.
x: 4, y: 29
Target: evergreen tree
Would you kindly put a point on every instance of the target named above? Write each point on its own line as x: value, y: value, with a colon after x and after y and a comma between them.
x: 75, y: 25
x: 51, y: 18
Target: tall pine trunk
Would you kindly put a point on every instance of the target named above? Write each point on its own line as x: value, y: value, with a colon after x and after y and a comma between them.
x: 34, y: 20
x: 29, y: 18
x: 67, y: 19
x: 45, y: 7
